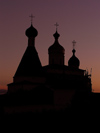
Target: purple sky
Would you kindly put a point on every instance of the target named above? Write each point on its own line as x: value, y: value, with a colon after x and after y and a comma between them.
x: 78, y: 20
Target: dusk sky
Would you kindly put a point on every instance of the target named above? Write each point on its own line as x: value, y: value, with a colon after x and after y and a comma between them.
x: 78, y: 20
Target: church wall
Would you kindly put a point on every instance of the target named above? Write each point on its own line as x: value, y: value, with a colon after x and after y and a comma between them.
x: 63, y: 97
x: 64, y: 70
x: 17, y: 87
x: 55, y: 71
x: 30, y: 79
x: 73, y: 72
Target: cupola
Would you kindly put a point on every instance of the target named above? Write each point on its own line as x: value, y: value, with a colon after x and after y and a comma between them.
x: 56, y: 51
x: 74, y: 61
x: 31, y: 32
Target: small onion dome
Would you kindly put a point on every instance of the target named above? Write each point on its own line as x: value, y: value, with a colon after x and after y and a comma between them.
x: 56, y: 35
x: 74, y: 61
x: 56, y: 47
x: 31, y: 32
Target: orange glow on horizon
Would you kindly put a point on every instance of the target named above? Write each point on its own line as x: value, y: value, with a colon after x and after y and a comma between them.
x: 4, y: 87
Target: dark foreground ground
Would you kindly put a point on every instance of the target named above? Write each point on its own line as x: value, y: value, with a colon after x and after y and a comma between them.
x: 53, y: 121
x: 81, y: 115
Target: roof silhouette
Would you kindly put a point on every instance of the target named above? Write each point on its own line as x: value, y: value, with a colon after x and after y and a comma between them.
x: 30, y: 64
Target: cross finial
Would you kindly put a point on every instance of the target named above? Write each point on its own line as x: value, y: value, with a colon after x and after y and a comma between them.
x: 56, y: 25
x: 31, y: 18
x: 74, y: 42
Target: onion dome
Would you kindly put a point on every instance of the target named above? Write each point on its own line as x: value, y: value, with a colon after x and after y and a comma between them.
x: 74, y: 61
x: 31, y: 32
x: 56, y: 47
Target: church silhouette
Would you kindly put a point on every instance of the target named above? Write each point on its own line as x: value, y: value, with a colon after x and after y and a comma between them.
x: 53, y: 87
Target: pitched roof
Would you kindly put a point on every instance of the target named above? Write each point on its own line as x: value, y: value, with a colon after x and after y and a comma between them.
x: 30, y: 64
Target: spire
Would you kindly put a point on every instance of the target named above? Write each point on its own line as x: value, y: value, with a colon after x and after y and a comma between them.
x: 30, y: 64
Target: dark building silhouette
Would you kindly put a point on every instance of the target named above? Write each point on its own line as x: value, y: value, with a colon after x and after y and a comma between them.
x: 55, y: 86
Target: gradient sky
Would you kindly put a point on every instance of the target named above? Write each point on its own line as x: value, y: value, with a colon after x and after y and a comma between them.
x: 78, y: 20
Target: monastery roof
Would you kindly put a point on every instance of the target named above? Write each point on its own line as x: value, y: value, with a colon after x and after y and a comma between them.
x: 30, y: 64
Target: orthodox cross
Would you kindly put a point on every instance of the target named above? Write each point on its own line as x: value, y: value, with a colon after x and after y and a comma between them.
x: 56, y: 25
x: 74, y: 42
x: 31, y: 18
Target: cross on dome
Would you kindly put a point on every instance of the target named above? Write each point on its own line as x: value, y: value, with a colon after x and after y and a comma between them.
x: 32, y: 18
x: 56, y: 25
x: 74, y: 42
